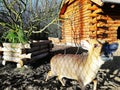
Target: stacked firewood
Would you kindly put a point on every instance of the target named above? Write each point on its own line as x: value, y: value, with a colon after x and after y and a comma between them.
x: 19, y: 53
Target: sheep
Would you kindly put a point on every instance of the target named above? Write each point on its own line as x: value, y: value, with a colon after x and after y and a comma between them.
x: 83, y: 67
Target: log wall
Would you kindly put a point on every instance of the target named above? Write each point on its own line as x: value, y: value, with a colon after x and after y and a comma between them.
x: 71, y: 26
x: 85, y: 19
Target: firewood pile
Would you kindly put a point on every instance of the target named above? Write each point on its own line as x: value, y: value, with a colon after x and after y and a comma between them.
x: 19, y: 53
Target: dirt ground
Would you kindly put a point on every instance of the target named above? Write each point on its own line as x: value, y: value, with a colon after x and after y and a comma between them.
x: 32, y: 76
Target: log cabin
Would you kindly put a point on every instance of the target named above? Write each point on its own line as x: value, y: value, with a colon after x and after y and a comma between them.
x: 90, y: 19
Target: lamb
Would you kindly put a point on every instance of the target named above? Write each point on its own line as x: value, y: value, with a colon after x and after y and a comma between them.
x: 82, y: 68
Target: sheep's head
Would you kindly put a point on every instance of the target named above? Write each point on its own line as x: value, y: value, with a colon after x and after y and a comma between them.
x: 107, y: 50
x: 100, y: 47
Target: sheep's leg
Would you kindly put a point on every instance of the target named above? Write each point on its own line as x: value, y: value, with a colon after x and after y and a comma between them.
x: 3, y: 62
x: 49, y: 75
x: 60, y: 79
x: 83, y: 88
x: 95, y: 84
x: 19, y: 64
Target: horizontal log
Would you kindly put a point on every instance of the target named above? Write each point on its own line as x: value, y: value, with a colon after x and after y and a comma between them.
x: 85, y: 11
x: 40, y: 43
x: 102, y: 25
x: 84, y: 36
x: 98, y: 2
x: 93, y: 35
x: 84, y: 18
x: 25, y: 51
x: 114, y: 25
x: 12, y: 59
x: 39, y: 48
x: 94, y: 20
x: 93, y: 15
x: 16, y: 45
x: 113, y: 22
x: 94, y: 7
x: 17, y: 55
x: 86, y: 6
x: 93, y: 27
x: 102, y: 17
x: 39, y: 56
x: 39, y: 52
x: 87, y: 20
x: 108, y: 39
x: 100, y: 32
x: 97, y: 11
x: 18, y: 50
x: 28, y: 56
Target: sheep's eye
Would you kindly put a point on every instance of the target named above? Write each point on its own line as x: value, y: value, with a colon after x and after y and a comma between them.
x: 95, y: 45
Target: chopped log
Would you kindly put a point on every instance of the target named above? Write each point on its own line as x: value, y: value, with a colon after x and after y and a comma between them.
x: 18, y: 50
x: 97, y: 11
x: 93, y: 27
x: 101, y: 17
x: 102, y: 25
x: 40, y: 43
x: 93, y: 15
x: 39, y: 56
x: 12, y: 59
x: 11, y: 54
x: 28, y: 56
x: 94, y: 20
x: 16, y: 45
x: 94, y: 7
x: 33, y: 54
x: 86, y: 6
x: 98, y: 2
x: 115, y: 25
x: 33, y: 49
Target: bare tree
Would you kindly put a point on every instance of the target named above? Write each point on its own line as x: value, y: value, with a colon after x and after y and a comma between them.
x: 38, y: 16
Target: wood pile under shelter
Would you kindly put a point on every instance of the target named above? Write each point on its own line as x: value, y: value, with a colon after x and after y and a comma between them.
x: 17, y: 52
x: 90, y: 19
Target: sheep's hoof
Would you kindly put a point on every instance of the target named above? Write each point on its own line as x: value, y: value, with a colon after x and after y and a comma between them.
x: 20, y: 64
x: 3, y: 62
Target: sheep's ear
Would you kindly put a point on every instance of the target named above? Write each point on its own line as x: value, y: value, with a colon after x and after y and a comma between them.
x: 85, y: 44
x: 113, y: 47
